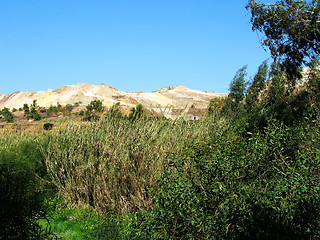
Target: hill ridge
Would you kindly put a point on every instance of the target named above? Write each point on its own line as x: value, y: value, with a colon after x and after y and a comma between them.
x: 84, y: 93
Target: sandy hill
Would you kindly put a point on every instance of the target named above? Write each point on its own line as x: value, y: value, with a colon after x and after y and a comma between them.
x: 176, y: 97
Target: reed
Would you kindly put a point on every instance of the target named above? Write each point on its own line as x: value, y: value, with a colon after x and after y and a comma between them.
x: 113, y: 164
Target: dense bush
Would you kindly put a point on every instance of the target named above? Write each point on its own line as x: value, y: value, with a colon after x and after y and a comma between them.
x: 21, y: 203
x: 262, y: 187
x: 7, y: 115
x: 47, y: 126
x: 23, y: 189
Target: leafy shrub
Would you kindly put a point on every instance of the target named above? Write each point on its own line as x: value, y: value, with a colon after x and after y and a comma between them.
x: 22, y: 203
x: 7, y: 115
x: 23, y: 190
x: 24, y: 187
x: 262, y: 187
x: 52, y: 111
x: 47, y: 126
x: 25, y: 150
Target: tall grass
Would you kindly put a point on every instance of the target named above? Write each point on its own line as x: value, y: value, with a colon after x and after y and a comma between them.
x: 113, y: 164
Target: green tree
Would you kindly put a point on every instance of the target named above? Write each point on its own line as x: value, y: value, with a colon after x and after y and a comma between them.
x: 238, y: 85
x: 7, y: 115
x: 36, y: 116
x: 68, y: 108
x: 52, y: 110
x: 33, y: 111
x: 92, y: 109
x: 276, y: 99
x: 257, y: 85
x: 34, y: 104
x: 237, y: 91
x: 277, y: 90
x: 95, y: 106
x: 26, y: 110
x: 291, y: 29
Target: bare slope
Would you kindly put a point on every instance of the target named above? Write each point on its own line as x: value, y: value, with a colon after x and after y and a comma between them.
x: 175, y: 97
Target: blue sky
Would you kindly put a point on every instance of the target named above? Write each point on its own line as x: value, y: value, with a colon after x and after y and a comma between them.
x: 132, y: 45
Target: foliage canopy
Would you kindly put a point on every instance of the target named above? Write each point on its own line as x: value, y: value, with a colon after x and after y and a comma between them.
x: 291, y: 29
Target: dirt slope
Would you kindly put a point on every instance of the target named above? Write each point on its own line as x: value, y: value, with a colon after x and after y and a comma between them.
x: 174, y: 97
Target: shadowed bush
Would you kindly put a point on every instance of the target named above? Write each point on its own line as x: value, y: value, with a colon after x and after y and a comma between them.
x: 22, y: 189
x: 47, y: 126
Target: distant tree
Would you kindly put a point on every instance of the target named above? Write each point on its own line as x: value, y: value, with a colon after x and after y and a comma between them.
x: 92, y: 109
x: 36, y: 116
x: 52, y: 110
x: 33, y: 111
x: 275, y: 99
x: 7, y: 115
x: 26, y: 110
x: 291, y: 29
x: 68, y: 108
x: 34, y: 104
x: 95, y: 106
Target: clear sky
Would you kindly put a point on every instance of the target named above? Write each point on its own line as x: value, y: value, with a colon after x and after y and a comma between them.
x: 132, y: 45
